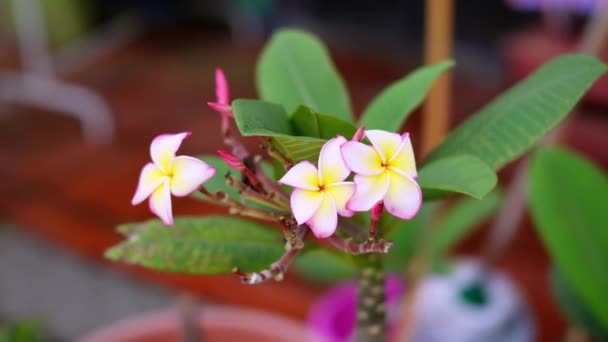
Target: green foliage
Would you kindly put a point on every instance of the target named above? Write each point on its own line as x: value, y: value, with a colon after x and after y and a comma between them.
x: 460, y: 220
x: 307, y: 122
x: 390, y: 109
x: 295, y: 68
x: 22, y: 331
x: 573, y: 307
x: 259, y: 118
x: 199, y: 245
x: 462, y: 174
x: 406, y: 234
x: 321, y: 266
x: 568, y: 201
x: 516, y: 120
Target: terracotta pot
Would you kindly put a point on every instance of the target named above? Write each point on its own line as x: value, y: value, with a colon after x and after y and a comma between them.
x: 217, y: 324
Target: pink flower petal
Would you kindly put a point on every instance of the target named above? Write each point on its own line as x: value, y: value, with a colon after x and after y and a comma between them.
x: 149, y: 179
x: 369, y: 190
x: 188, y: 175
x: 221, y: 87
x: 341, y: 193
x: 163, y: 148
x: 303, y: 175
x: 386, y: 143
x: 361, y: 159
x: 325, y: 220
x: 304, y: 203
x: 404, y: 159
x: 331, y: 165
x: 403, y: 198
x: 160, y: 203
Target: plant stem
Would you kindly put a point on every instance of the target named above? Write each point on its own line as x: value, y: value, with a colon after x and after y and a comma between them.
x: 371, y: 307
x: 369, y: 246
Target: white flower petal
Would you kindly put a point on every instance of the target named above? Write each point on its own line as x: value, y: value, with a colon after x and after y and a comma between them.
x: 188, y: 174
x: 160, y: 203
x: 325, y: 220
x: 303, y: 175
x: 304, y: 203
x: 163, y: 148
x: 361, y: 159
x: 369, y: 190
x: 386, y: 143
x: 341, y: 193
x: 404, y: 159
x: 331, y: 165
x: 404, y: 197
x: 149, y: 179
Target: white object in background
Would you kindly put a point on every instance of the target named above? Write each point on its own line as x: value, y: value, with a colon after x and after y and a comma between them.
x: 443, y: 315
x: 38, y: 86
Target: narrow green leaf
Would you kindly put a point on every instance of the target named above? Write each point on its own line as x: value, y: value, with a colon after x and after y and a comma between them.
x: 518, y: 119
x: 462, y: 174
x: 573, y: 307
x: 461, y: 219
x: 390, y: 109
x: 295, y: 68
x: 199, y: 245
x: 307, y: 122
x: 259, y: 118
x: 321, y: 266
x: 568, y: 201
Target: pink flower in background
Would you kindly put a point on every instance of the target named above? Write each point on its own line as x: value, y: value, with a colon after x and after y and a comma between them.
x: 169, y: 175
x: 385, y: 171
x: 321, y: 194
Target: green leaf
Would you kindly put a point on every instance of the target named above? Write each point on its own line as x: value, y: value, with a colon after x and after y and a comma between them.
x: 321, y: 266
x: 307, y: 122
x: 199, y: 245
x: 463, y: 174
x: 518, y: 119
x: 568, y: 201
x: 461, y: 219
x: 406, y: 235
x: 259, y: 118
x: 295, y: 68
x: 573, y: 307
x: 300, y: 148
x: 390, y: 109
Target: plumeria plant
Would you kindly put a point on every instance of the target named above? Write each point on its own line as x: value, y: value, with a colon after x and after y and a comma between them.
x: 324, y: 180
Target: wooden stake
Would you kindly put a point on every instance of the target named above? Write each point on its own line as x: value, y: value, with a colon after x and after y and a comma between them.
x: 439, y: 34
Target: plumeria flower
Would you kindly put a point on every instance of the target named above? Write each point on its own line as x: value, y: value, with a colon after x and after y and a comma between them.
x: 385, y: 171
x: 321, y: 194
x: 169, y: 175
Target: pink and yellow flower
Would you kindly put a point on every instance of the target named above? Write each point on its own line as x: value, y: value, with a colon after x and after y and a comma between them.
x: 169, y: 175
x: 385, y: 171
x: 321, y: 194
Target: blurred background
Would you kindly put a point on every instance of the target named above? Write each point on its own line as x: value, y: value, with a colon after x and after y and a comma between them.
x: 86, y: 84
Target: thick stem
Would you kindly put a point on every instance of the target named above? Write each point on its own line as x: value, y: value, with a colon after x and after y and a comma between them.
x: 369, y: 246
x: 371, y: 306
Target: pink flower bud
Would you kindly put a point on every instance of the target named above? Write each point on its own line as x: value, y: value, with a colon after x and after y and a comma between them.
x: 377, y: 211
x: 232, y: 161
x: 358, y: 136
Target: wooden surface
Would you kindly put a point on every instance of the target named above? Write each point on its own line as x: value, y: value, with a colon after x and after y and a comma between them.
x: 74, y: 194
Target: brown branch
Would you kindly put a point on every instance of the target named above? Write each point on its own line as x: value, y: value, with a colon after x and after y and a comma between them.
x: 277, y: 270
